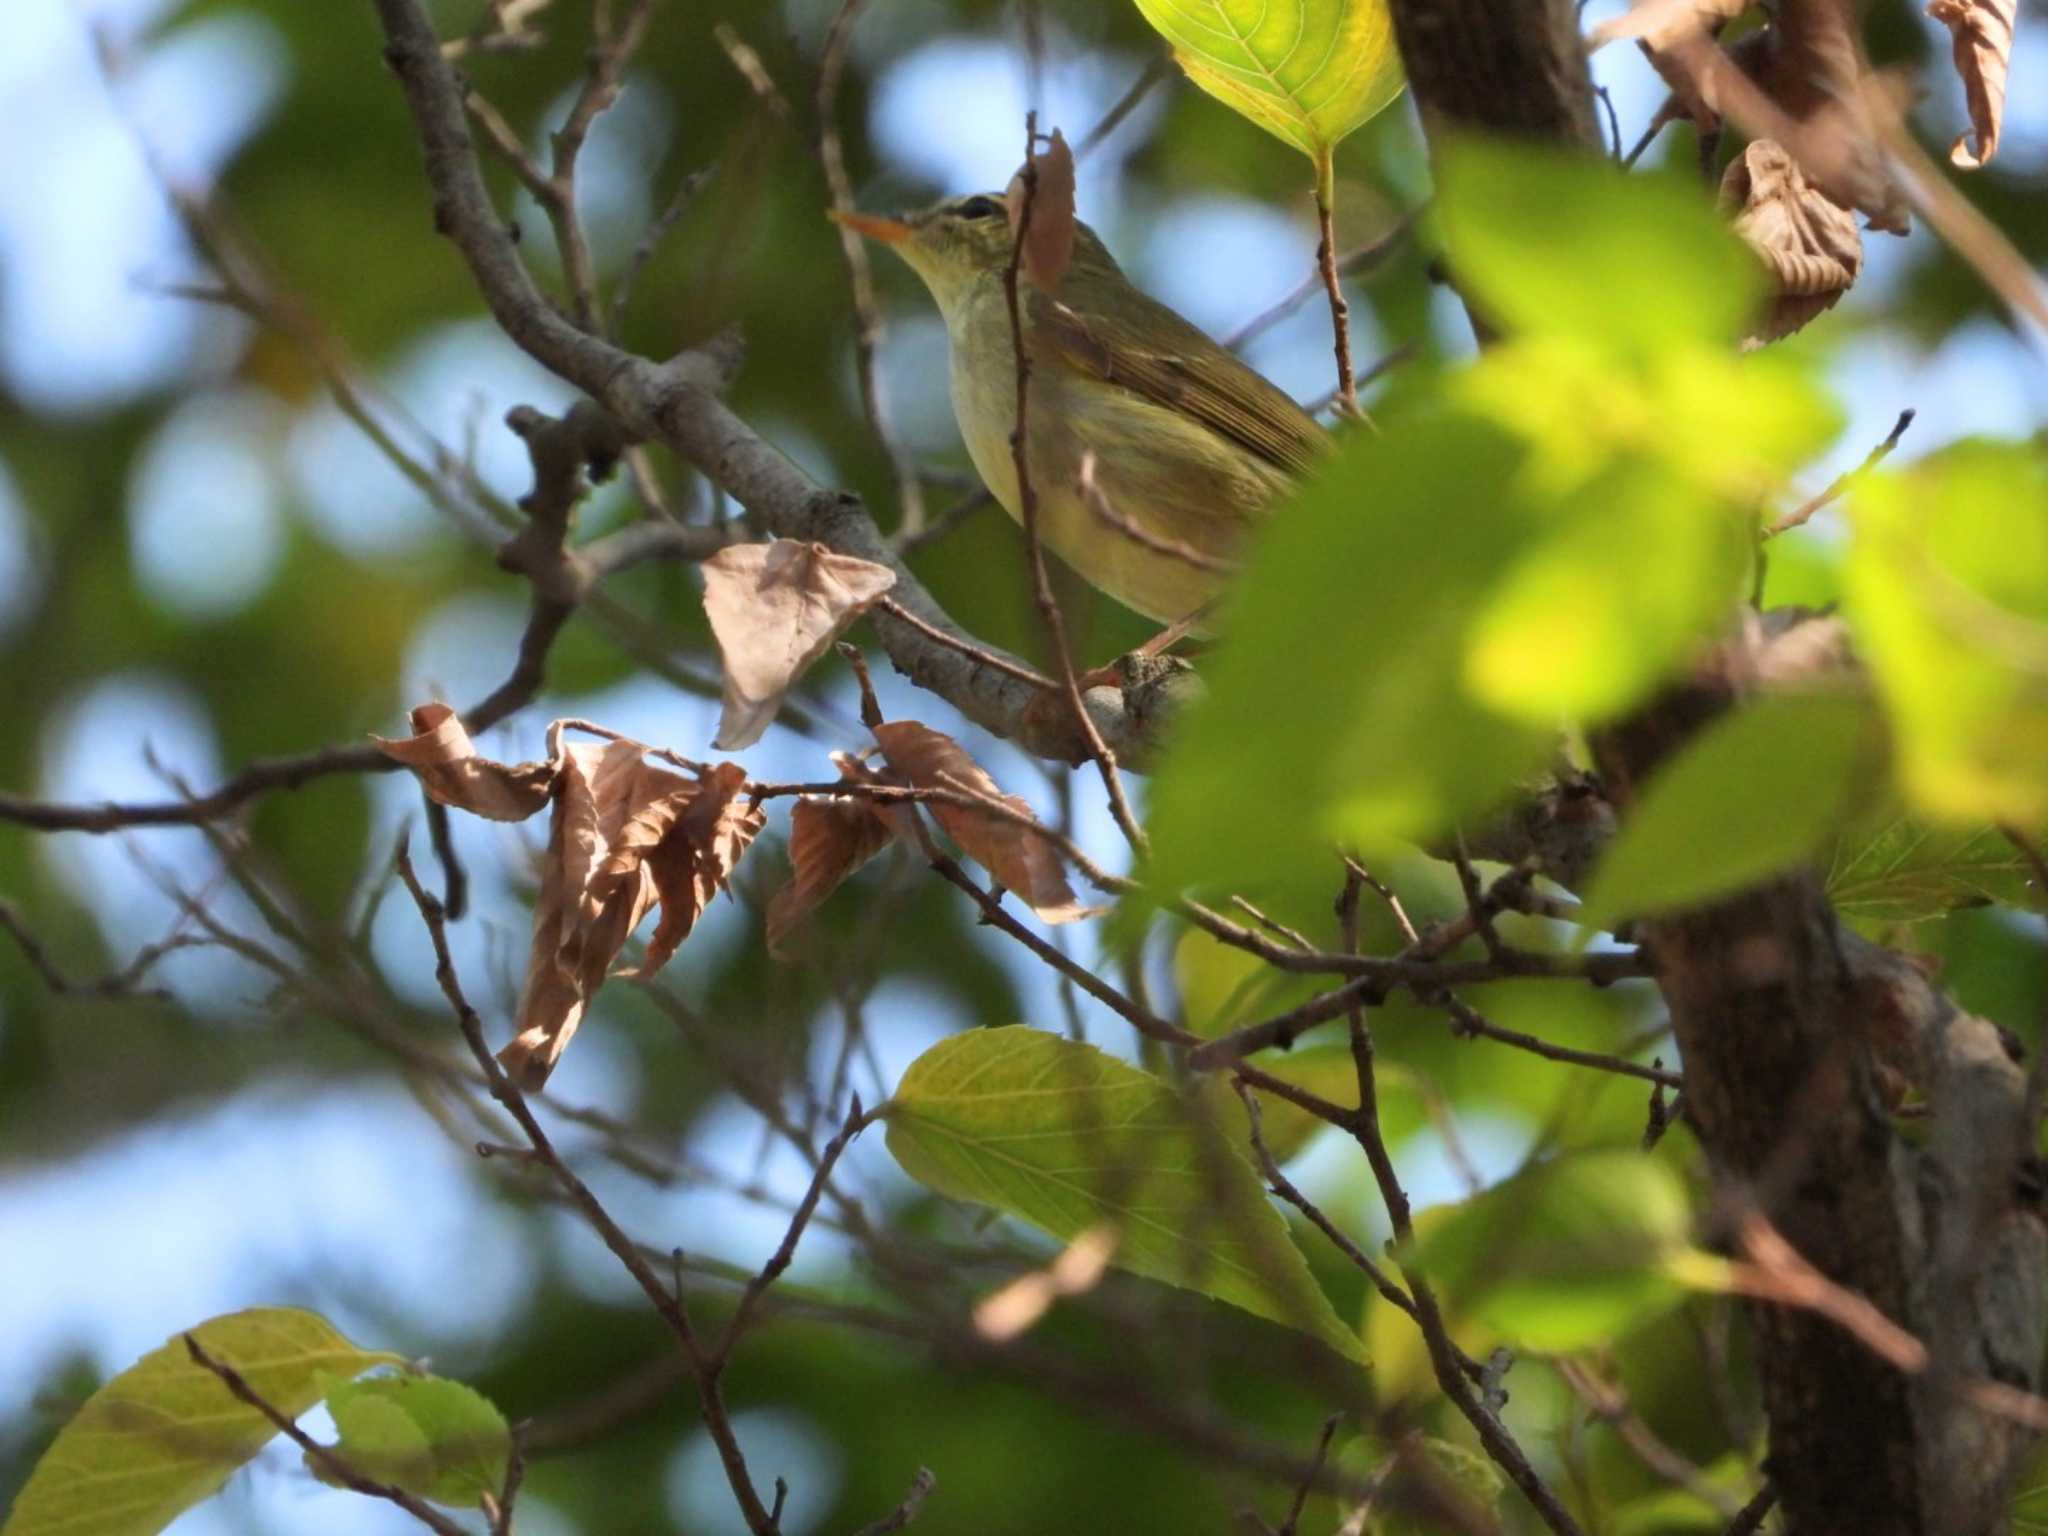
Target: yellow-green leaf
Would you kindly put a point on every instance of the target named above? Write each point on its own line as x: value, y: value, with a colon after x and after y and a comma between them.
x: 428, y: 1435
x: 1552, y: 243
x: 166, y: 1432
x: 1757, y: 792
x: 1306, y: 71
x: 1068, y: 1139
x: 1947, y: 591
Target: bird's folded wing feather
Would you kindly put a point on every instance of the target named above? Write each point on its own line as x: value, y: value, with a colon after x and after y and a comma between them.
x: 1182, y: 369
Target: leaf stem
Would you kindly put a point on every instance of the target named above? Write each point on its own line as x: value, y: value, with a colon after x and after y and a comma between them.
x: 1326, y: 263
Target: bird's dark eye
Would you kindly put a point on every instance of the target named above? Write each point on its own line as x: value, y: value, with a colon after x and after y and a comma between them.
x: 979, y: 208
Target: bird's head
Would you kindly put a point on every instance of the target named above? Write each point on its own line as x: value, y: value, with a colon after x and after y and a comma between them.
x: 957, y: 243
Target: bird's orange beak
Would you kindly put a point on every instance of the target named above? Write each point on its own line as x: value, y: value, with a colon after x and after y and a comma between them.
x: 874, y: 226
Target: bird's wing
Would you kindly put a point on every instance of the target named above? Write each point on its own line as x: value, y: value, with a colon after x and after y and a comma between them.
x: 1182, y: 369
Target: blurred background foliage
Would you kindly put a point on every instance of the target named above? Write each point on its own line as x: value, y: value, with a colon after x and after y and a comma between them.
x: 202, y: 563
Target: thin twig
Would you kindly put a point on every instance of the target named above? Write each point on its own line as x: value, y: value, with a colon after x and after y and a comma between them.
x: 1027, y: 504
x: 994, y: 914
x: 1473, y: 1023
x: 1326, y: 263
x: 966, y: 647
x: 1293, y: 1521
x: 1159, y: 544
x: 857, y: 1120
x: 1158, y: 69
x: 1358, y: 259
x: 921, y: 1488
x: 1286, y: 1189
x: 668, y: 1305
x: 122, y: 983
x: 853, y: 250
x: 1750, y: 1518
x: 323, y: 1457
x: 1843, y: 481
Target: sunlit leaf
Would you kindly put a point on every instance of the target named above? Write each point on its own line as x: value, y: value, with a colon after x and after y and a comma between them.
x: 428, y: 1435
x: 1570, y: 1254
x: 1638, y: 566
x: 1067, y: 1138
x: 1947, y: 592
x: 167, y: 1432
x: 1549, y: 242
x: 1755, y: 793
x: 1338, y: 713
x: 1307, y: 71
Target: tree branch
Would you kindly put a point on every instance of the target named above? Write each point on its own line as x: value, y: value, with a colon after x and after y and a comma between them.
x: 678, y: 402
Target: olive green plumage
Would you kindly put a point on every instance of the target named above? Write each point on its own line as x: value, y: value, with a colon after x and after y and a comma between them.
x: 1189, y: 443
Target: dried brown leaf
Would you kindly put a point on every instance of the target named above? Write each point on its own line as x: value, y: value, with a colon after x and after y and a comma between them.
x: 1021, y: 861
x: 775, y: 609
x: 1808, y: 241
x: 440, y: 752
x: 624, y: 836
x: 1049, y: 242
x: 829, y: 839
x: 695, y: 857
x: 577, y: 930
x: 1981, y: 35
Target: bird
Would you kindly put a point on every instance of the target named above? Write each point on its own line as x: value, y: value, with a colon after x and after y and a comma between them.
x: 1152, y: 451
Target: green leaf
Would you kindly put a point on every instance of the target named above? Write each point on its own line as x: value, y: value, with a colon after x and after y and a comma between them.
x: 1306, y: 71
x: 166, y: 1432
x: 1555, y: 243
x: 1947, y: 592
x: 1067, y: 1138
x: 1899, y: 870
x: 1568, y: 1255
x: 428, y: 1435
x: 1757, y: 792
x: 1638, y: 565
x: 1337, y: 714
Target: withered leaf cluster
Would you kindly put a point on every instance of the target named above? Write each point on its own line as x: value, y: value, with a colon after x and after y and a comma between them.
x: 1800, y: 86
x: 624, y: 837
x: 627, y: 835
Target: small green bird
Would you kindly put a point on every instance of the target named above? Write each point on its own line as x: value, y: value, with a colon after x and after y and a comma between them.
x: 1181, y: 440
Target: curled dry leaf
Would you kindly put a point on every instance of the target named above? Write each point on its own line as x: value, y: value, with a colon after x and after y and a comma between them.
x: 1021, y: 861
x: 625, y: 835
x: 829, y: 839
x: 775, y: 609
x: 1981, y: 32
x: 1049, y: 242
x: 1803, y: 81
x: 1808, y: 241
x: 694, y: 858
x: 441, y: 754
